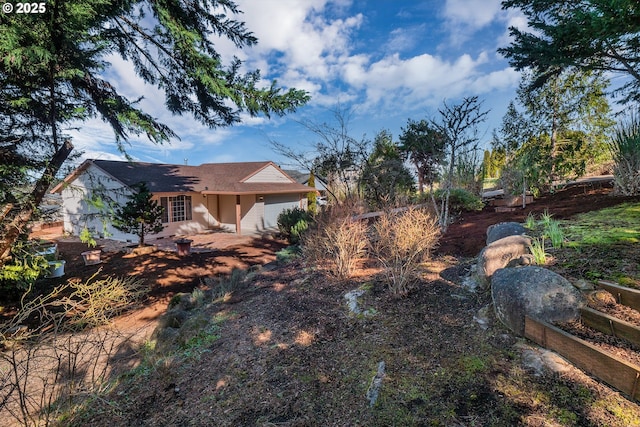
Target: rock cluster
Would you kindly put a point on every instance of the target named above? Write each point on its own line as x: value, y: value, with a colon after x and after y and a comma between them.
x: 519, y: 289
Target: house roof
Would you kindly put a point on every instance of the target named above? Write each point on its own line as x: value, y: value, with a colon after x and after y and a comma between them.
x: 297, y: 176
x: 208, y: 178
x: 303, y: 178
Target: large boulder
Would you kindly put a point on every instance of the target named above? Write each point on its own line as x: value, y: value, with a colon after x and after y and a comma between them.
x: 500, y: 254
x: 504, y: 229
x: 535, y: 292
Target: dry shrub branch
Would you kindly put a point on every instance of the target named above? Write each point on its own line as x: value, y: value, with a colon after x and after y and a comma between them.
x: 340, y: 241
x: 49, y: 359
x: 401, y: 241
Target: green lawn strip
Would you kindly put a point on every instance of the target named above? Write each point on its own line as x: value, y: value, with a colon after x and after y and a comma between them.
x: 616, y: 225
x: 603, y: 245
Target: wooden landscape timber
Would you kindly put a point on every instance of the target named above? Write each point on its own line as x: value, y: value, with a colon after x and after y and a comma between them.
x: 511, y: 201
x: 610, y: 325
x: 624, y: 295
x: 612, y: 370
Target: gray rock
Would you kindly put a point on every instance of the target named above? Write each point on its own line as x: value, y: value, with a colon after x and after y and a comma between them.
x: 504, y: 229
x: 498, y: 255
x: 540, y: 360
x: 165, y: 339
x: 526, y: 259
x: 536, y: 292
x: 482, y: 317
x: 583, y: 285
x: 172, y: 319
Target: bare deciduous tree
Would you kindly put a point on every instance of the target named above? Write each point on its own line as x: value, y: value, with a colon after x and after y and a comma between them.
x: 459, y: 125
x: 335, y: 156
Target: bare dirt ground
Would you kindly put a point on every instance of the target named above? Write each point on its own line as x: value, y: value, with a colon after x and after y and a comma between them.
x: 289, y: 353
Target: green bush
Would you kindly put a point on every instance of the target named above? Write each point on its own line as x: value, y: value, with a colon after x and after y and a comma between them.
x: 292, y: 223
x: 25, y: 267
x: 461, y: 200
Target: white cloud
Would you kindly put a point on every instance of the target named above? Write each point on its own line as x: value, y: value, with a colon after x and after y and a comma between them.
x: 496, y: 80
x: 299, y: 39
x: 313, y: 45
x: 473, y: 13
x: 314, y: 52
x: 423, y: 79
x: 403, y: 39
x: 517, y: 19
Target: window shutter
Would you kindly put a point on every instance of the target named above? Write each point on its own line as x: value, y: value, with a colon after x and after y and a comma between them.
x: 187, y: 208
x: 164, y: 202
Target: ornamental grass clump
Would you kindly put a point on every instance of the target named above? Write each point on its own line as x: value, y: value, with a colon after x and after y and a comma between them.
x: 625, y: 150
x: 555, y: 234
x: 530, y: 222
x: 538, y: 252
x: 401, y: 242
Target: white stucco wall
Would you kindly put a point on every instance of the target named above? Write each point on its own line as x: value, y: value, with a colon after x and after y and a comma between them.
x: 78, y: 213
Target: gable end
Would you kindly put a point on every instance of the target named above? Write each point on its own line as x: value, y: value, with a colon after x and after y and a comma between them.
x: 268, y: 174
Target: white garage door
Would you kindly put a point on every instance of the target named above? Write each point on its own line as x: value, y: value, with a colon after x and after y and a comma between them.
x: 276, y: 203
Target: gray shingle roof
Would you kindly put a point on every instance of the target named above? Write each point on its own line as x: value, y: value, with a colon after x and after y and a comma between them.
x: 210, y: 178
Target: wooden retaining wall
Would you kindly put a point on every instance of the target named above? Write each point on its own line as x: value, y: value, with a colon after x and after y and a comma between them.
x: 612, y: 370
x: 610, y: 325
x: 626, y: 296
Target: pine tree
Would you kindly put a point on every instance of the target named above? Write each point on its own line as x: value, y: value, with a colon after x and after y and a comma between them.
x: 385, y: 178
x: 588, y: 35
x: 141, y: 215
x: 424, y: 146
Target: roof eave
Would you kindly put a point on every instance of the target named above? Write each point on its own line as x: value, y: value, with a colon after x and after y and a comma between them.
x: 244, y: 193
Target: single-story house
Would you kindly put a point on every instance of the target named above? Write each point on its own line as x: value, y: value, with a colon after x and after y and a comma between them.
x: 245, y: 198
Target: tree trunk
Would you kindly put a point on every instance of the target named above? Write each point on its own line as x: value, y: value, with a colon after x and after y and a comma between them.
x: 420, y: 178
x: 15, y: 222
x: 554, y: 134
x: 141, y: 242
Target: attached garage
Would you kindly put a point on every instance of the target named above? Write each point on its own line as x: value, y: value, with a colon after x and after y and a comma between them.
x: 274, y: 204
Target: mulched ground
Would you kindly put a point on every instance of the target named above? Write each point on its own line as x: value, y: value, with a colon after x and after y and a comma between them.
x: 290, y: 354
x: 166, y: 272
x: 605, y: 342
x: 467, y: 236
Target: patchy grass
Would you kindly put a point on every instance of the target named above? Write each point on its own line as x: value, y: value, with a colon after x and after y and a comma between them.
x: 603, y: 245
x: 611, y: 226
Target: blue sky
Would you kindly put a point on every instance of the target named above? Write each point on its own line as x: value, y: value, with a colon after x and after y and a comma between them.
x: 386, y: 60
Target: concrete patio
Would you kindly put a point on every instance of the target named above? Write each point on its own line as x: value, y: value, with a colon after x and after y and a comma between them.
x: 200, y: 243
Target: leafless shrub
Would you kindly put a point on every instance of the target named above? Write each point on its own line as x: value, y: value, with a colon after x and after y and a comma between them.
x: 401, y: 241
x: 48, y: 363
x: 338, y: 240
x: 96, y: 302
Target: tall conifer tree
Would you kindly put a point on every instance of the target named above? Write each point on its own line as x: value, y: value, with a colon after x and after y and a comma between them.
x: 52, y: 77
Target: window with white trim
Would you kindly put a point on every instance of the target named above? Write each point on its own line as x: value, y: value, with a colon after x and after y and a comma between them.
x: 176, y: 208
